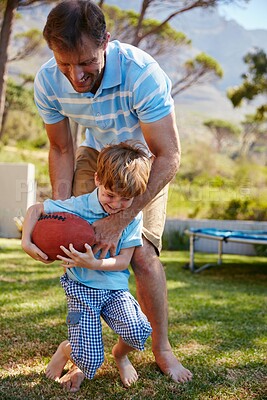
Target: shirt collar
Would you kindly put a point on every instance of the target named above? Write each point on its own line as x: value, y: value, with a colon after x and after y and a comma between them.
x: 112, y: 74
x: 94, y: 204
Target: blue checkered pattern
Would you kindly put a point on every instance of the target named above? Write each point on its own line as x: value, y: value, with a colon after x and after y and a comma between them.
x: 120, y: 311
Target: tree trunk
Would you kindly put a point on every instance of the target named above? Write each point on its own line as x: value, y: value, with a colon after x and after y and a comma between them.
x: 100, y: 3
x: 4, y: 43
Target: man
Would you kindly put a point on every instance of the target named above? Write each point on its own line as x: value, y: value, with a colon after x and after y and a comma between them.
x: 117, y: 92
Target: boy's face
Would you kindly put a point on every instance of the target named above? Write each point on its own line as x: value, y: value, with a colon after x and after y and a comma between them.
x: 112, y: 202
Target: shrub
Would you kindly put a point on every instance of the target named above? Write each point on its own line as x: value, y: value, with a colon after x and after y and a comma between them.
x: 248, y: 209
x: 175, y: 240
x: 21, y: 126
x: 261, y: 250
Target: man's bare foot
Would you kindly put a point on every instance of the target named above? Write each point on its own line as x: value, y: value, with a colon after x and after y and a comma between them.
x: 72, y: 380
x: 169, y: 365
x: 58, y: 361
x: 127, y: 372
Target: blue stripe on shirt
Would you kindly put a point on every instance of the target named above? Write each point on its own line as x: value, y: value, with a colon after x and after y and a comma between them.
x: 133, y: 88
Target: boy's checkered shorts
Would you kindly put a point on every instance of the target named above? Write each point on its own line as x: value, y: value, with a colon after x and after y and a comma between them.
x: 120, y: 311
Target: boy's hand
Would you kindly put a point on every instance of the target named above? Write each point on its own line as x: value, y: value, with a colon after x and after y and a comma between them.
x: 34, y: 251
x: 78, y: 259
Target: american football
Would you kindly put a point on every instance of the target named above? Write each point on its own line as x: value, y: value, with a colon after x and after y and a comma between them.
x: 56, y: 229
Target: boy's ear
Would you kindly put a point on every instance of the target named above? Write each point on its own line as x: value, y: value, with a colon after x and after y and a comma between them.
x: 97, y: 182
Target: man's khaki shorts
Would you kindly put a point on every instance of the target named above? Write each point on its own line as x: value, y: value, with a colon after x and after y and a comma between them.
x: 154, y: 214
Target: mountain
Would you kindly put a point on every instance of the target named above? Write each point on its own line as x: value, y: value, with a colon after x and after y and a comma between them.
x: 226, y: 41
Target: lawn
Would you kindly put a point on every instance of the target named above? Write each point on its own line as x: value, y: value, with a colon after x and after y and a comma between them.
x: 217, y: 328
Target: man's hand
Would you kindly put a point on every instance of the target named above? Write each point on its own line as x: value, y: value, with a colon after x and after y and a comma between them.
x: 108, y: 232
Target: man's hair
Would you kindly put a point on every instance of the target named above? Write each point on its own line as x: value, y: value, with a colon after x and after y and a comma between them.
x: 124, y: 168
x: 70, y: 21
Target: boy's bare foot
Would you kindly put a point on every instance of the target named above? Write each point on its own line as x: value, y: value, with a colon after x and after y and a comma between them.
x: 72, y: 380
x: 127, y: 372
x: 58, y: 361
x: 169, y: 365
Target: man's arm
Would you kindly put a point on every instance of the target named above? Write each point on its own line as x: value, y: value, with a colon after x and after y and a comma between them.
x: 163, y: 141
x: 61, y: 159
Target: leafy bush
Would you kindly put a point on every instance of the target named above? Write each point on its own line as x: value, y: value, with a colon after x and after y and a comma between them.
x: 22, y: 121
x: 248, y: 209
x: 21, y: 126
x: 38, y: 143
x: 261, y: 250
x: 175, y: 240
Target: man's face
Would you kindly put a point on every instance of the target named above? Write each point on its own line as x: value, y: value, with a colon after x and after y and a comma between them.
x: 83, y: 67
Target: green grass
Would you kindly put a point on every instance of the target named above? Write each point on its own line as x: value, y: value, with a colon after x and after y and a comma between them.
x: 217, y: 327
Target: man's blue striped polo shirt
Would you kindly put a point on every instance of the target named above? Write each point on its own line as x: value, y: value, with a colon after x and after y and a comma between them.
x: 133, y: 88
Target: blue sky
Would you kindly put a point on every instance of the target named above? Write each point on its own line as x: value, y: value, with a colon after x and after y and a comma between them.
x: 251, y: 16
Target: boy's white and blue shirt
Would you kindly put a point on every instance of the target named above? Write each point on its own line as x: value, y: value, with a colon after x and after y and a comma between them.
x: 88, y: 207
x: 134, y: 88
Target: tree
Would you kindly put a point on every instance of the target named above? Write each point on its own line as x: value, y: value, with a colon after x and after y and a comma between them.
x: 176, y: 7
x: 254, y: 83
x: 15, y: 97
x: 4, y: 43
x: 254, y: 131
x: 162, y: 44
x: 159, y: 39
x: 8, y: 10
x: 151, y: 34
x: 222, y: 130
x: 142, y: 30
x: 122, y: 25
x: 31, y: 42
x: 197, y: 70
x: 24, y: 123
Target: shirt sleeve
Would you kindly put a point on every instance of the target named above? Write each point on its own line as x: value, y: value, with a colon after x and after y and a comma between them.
x: 45, y: 99
x: 70, y: 205
x: 152, y: 94
x: 132, y: 234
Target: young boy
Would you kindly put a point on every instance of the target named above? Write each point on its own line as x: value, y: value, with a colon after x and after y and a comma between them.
x: 97, y: 287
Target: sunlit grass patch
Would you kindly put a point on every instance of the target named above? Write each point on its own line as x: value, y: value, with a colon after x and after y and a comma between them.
x: 217, y: 328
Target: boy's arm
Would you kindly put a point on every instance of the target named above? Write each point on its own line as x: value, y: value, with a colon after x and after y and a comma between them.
x: 88, y: 260
x: 32, y: 215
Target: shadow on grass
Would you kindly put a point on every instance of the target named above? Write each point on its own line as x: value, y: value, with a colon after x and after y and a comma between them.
x: 32, y: 386
x: 151, y: 385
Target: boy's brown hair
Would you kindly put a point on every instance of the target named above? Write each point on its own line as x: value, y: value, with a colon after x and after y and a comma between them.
x: 124, y: 168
